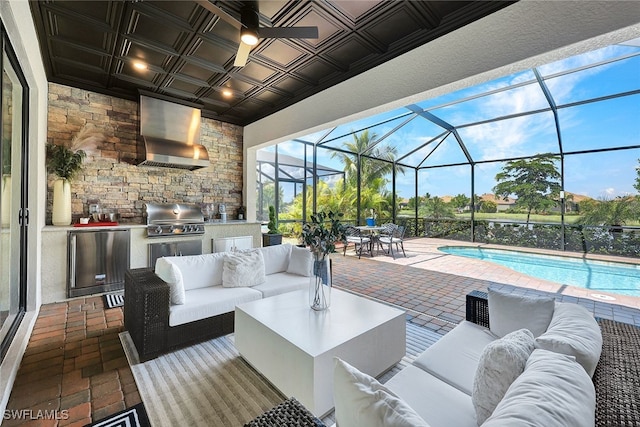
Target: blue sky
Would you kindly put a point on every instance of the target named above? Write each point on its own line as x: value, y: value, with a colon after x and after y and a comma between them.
x: 608, y: 123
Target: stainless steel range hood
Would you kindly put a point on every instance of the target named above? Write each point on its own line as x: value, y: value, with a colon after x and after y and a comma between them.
x: 171, y: 134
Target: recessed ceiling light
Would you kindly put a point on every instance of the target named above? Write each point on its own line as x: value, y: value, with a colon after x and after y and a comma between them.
x: 139, y: 65
x: 227, y: 93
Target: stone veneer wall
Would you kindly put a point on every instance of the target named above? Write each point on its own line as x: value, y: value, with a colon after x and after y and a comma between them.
x: 110, y: 175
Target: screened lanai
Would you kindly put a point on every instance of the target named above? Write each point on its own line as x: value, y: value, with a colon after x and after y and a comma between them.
x: 545, y: 157
x: 291, y: 173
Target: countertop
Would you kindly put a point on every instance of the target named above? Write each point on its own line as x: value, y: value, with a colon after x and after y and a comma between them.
x: 135, y: 225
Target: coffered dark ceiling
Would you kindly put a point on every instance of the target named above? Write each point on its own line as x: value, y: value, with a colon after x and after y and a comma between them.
x: 190, y: 51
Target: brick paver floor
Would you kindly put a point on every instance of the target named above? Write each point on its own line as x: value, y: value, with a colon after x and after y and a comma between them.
x: 74, y: 370
x: 75, y: 363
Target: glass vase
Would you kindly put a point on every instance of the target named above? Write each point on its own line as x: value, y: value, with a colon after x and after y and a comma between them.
x: 320, y: 282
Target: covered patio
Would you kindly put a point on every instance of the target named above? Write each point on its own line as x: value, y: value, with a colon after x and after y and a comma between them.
x: 81, y: 335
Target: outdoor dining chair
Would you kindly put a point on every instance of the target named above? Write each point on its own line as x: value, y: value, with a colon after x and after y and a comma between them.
x: 358, y: 239
x: 387, y: 231
x: 395, y: 238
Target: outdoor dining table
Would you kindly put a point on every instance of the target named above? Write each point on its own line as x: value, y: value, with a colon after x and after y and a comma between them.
x: 373, y: 232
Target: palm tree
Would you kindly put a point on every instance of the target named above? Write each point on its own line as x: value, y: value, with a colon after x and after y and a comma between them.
x: 371, y: 169
x: 614, y: 212
x: 374, y: 168
x: 436, y: 208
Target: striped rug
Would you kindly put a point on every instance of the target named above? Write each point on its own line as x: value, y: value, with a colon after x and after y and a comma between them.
x: 209, y: 384
x: 114, y: 300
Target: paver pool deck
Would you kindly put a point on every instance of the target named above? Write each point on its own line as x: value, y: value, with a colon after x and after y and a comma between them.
x: 433, y: 289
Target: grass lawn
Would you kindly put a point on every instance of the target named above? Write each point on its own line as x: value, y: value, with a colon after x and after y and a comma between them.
x: 555, y: 218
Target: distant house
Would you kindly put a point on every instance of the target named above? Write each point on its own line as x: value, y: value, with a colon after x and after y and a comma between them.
x: 403, y: 203
x: 502, y: 203
x: 572, y: 201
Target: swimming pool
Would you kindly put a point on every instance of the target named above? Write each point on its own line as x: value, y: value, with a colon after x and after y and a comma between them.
x: 614, y: 277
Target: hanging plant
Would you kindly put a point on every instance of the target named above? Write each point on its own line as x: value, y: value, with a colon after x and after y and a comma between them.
x: 66, y: 162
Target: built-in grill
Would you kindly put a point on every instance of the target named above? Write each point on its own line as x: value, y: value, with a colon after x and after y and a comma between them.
x: 173, y: 219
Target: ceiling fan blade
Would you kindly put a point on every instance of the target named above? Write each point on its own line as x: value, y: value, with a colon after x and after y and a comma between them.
x: 220, y: 13
x: 242, y: 55
x: 288, y: 32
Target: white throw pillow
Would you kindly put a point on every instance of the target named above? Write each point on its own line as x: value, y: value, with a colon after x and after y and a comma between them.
x: 300, y: 261
x: 501, y: 362
x: 553, y: 390
x: 509, y: 312
x: 243, y: 269
x: 361, y: 401
x: 276, y: 257
x: 170, y: 273
x: 573, y: 331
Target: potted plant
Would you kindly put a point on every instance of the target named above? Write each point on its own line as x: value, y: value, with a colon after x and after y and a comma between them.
x: 321, y: 235
x: 273, y: 236
x: 65, y: 162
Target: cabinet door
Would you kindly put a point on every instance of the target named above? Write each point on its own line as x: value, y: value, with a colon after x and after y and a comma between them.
x: 223, y: 245
x: 243, y: 242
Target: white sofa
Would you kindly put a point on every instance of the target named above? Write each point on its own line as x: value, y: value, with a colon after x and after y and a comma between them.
x: 191, y: 298
x: 205, y: 292
x: 478, y: 375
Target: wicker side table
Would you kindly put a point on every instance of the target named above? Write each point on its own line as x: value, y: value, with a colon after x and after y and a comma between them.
x: 289, y: 413
x: 478, y: 308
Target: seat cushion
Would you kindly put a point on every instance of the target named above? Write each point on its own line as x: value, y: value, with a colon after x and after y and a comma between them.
x: 509, y: 312
x: 454, y: 357
x: 361, y: 401
x: 276, y: 258
x: 438, y: 403
x: 573, y: 331
x: 553, y: 390
x: 358, y: 240
x: 279, y: 283
x: 502, y: 361
x: 210, y: 301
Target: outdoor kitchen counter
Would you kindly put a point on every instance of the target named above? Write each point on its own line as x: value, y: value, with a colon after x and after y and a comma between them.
x: 54, y: 249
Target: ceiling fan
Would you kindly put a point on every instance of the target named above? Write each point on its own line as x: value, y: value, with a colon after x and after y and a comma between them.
x: 251, y: 31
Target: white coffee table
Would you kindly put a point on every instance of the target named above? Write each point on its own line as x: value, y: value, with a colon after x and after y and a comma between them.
x: 293, y: 346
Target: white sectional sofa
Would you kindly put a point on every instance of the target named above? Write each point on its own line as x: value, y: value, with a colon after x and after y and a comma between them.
x: 531, y: 367
x: 191, y: 298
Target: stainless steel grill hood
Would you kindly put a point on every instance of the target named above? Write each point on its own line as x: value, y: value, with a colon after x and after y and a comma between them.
x: 171, y: 135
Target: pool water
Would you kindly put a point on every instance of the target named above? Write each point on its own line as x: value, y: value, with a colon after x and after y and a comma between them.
x: 614, y: 277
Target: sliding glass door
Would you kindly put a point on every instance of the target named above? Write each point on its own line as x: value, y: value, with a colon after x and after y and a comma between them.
x: 13, y: 197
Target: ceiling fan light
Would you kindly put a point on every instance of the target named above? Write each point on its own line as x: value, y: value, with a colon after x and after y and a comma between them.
x: 249, y: 36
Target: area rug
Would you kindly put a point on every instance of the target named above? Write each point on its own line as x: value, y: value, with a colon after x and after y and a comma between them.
x: 135, y: 416
x: 114, y: 300
x: 209, y: 384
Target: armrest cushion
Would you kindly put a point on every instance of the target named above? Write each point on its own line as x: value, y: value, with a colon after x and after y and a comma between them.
x: 170, y: 273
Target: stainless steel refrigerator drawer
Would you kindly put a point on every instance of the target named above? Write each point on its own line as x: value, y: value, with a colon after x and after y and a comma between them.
x: 98, y: 260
